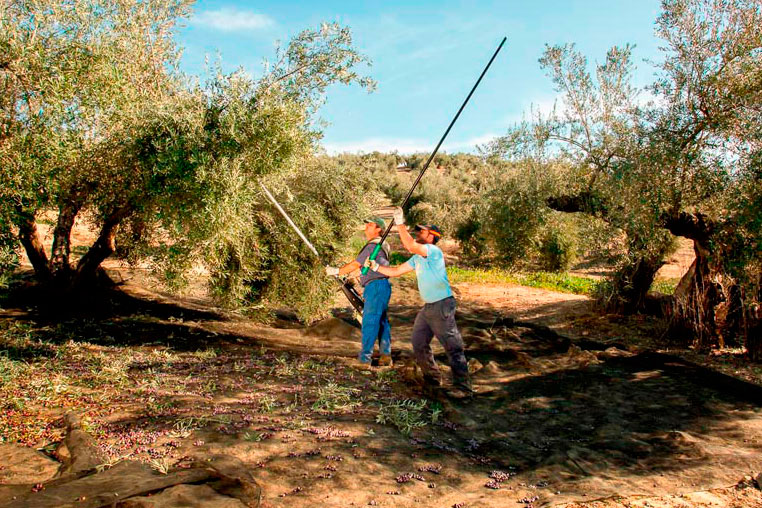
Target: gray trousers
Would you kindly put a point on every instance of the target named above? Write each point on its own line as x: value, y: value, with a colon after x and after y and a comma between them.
x: 438, y: 319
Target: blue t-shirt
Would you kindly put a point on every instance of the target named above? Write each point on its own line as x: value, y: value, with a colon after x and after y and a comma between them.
x: 432, y: 275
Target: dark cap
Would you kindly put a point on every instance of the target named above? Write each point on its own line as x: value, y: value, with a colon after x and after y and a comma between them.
x: 378, y: 221
x: 434, y: 230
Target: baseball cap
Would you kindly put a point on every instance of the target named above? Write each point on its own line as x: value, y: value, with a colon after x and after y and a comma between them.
x: 434, y: 230
x: 378, y: 221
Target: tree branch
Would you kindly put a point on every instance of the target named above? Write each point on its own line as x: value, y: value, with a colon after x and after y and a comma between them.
x: 585, y: 202
x: 286, y: 75
x: 103, y: 246
x: 571, y: 141
x: 694, y: 226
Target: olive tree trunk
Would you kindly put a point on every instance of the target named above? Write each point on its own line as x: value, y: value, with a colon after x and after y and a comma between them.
x: 753, y: 330
x: 707, y: 304
x: 57, y: 273
x: 633, y: 280
x: 631, y: 284
x: 30, y: 240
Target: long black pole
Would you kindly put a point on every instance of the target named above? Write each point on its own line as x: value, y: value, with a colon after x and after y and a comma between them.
x: 431, y: 157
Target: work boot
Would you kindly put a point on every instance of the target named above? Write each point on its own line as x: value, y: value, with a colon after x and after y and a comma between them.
x: 432, y: 380
x: 461, y: 389
x: 431, y: 386
x: 358, y: 364
x: 385, y: 361
x: 463, y: 382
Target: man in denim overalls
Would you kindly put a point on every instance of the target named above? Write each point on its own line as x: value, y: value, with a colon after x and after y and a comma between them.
x: 375, y: 322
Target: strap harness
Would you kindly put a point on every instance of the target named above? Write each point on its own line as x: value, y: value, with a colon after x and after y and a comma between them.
x: 374, y: 241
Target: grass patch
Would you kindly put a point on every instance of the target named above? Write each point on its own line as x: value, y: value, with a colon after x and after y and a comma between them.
x: 407, y: 415
x: 561, y: 282
x: 332, y: 397
x: 267, y: 404
x: 253, y: 437
x: 664, y: 286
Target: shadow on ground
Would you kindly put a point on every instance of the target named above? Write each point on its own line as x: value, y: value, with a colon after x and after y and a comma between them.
x: 566, y: 418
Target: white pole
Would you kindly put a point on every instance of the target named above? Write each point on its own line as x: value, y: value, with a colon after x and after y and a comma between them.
x: 288, y: 219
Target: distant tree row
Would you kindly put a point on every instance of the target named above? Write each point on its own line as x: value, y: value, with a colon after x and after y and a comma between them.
x: 492, y: 208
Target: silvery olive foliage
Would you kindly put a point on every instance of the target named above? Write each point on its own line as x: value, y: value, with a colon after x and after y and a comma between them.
x: 678, y: 158
x: 98, y: 123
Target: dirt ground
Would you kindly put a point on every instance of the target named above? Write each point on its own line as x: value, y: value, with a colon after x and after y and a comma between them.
x: 573, y: 408
x: 553, y: 422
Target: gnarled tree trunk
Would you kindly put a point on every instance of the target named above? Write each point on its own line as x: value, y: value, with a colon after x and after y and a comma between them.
x: 632, y: 283
x: 633, y: 280
x: 103, y: 247
x: 707, y: 304
x: 30, y: 240
x: 56, y: 274
x: 60, y: 266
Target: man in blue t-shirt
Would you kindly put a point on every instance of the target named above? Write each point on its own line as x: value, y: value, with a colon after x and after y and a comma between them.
x: 375, y: 322
x: 437, y: 317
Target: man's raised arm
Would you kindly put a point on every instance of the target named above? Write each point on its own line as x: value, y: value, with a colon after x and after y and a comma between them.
x: 407, y: 241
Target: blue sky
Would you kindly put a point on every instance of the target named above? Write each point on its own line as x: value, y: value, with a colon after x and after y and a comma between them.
x: 426, y: 56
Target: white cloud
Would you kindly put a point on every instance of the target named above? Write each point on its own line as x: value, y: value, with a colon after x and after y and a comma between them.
x: 231, y: 20
x: 470, y: 144
x: 529, y: 110
x: 405, y: 145
x: 367, y: 145
x: 647, y: 96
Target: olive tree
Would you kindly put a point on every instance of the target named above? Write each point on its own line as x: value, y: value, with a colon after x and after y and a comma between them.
x: 706, y: 141
x: 685, y: 163
x: 164, y: 167
x: 595, y: 133
x: 73, y: 75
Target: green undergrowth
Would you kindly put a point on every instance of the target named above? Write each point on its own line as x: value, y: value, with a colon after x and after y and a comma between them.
x: 665, y: 286
x: 561, y: 282
x: 407, y: 415
x: 397, y: 258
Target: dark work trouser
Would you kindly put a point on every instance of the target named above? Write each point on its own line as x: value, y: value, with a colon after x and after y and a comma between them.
x: 438, y: 319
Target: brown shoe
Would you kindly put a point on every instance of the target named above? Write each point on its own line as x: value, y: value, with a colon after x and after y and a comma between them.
x: 356, y: 363
x: 385, y: 361
x: 431, y: 380
x: 461, y: 389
